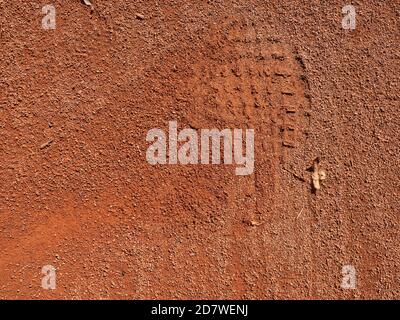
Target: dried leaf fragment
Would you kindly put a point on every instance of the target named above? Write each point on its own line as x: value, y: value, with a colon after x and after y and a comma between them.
x: 318, y: 175
x: 254, y: 223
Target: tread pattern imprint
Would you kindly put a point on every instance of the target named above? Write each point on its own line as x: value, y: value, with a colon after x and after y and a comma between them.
x: 255, y: 80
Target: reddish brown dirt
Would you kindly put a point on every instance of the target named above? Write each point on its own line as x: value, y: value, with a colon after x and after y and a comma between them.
x: 115, y: 227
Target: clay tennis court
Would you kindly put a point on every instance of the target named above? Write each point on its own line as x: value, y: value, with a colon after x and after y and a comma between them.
x: 76, y: 190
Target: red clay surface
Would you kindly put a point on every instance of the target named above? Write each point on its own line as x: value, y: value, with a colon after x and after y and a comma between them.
x: 76, y: 191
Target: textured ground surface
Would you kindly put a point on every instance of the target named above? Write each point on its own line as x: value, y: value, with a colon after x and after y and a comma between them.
x: 76, y: 191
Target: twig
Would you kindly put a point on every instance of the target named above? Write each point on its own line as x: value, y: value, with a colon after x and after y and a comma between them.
x: 295, y: 175
x: 298, y: 216
x: 46, y: 144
